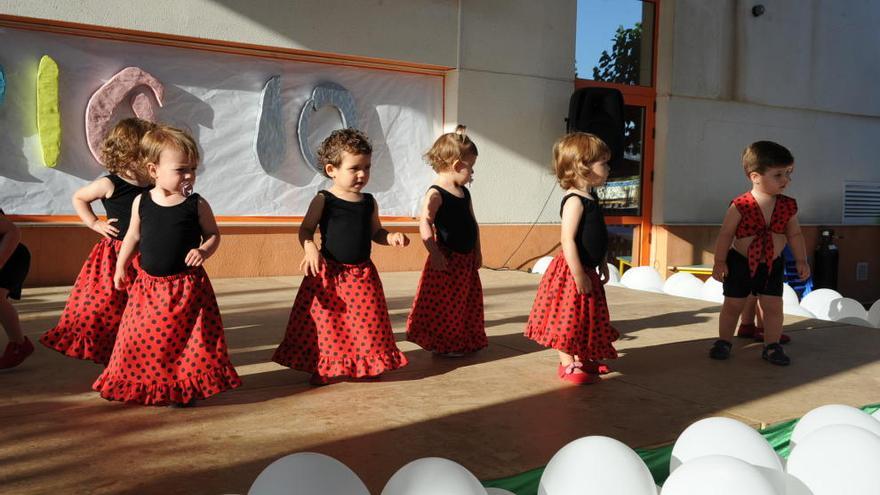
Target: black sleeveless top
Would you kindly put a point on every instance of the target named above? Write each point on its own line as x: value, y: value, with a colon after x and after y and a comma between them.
x: 168, y: 233
x: 592, y: 234
x: 455, y: 224
x: 118, y: 205
x: 347, y: 228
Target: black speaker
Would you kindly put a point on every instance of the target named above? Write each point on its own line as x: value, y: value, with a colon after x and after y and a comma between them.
x: 599, y: 111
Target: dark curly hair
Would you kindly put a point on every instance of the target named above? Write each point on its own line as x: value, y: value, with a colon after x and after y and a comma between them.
x: 351, y: 140
x: 120, y: 151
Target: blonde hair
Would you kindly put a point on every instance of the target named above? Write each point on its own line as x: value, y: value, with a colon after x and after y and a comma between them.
x: 572, y: 156
x: 120, y: 150
x: 761, y: 155
x: 164, y: 136
x: 350, y: 140
x: 450, y: 147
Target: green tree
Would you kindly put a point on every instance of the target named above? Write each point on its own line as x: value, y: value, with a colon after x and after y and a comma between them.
x: 622, y: 64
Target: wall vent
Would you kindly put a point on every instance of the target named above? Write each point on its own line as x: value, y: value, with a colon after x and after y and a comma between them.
x: 861, y: 202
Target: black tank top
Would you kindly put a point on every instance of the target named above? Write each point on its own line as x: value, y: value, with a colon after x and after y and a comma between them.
x: 455, y: 224
x: 168, y: 233
x: 347, y: 228
x: 118, y: 205
x: 592, y: 234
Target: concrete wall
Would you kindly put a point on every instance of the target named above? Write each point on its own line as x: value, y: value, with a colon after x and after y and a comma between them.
x: 805, y: 74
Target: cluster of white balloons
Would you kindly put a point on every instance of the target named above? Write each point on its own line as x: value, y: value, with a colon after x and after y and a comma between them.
x: 822, y: 304
x: 835, y: 450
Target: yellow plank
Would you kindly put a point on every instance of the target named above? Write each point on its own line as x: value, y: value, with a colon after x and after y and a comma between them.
x: 48, y: 114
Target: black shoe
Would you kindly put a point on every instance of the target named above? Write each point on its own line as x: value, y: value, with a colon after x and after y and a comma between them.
x: 720, y: 350
x: 775, y: 354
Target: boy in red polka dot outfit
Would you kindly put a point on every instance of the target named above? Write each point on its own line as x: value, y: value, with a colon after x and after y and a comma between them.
x: 339, y: 324
x: 755, y: 229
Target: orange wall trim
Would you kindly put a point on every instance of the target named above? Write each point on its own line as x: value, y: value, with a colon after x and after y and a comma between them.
x: 262, y: 251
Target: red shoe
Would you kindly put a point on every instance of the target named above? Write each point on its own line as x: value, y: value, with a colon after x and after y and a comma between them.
x: 747, y: 331
x: 596, y: 367
x: 567, y: 373
x: 16, y: 353
x: 759, y: 336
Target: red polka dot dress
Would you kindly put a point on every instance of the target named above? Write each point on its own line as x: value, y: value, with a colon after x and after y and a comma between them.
x: 576, y: 324
x: 339, y: 324
x: 447, y: 312
x: 88, y: 325
x: 171, y: 347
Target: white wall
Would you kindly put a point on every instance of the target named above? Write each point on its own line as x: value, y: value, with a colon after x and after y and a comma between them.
x: 804, y: 74
x: 515, y: 61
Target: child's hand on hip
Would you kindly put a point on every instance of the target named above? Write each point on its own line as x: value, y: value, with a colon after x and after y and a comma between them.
x: 195, y: 257
x: 106, y: 229
x: 311, y: 263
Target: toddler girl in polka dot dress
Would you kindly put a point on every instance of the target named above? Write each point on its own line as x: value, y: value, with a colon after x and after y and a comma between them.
x: 88, y: 325
x: 171, y: 349
x: 447, y: 313
x: 339, y: 324
x: 570, y: 313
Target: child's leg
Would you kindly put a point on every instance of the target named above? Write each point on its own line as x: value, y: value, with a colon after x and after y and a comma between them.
x: 759, y: 314
x: 772, y: 312
x: 9, y: 318
x: 730, y: 311
x: 750, y: 311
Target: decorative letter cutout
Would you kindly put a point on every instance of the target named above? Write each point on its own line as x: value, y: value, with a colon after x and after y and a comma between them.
x: 324, y: 94
x: 269, y: 144
x: 110, y: 95
x: 48, y: 115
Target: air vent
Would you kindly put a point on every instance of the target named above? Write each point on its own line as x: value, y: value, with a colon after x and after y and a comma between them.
x: 861, y: 202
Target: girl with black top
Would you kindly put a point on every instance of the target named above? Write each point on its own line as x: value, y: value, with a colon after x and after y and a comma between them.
x: 339, y: 324
x: 88, y: 325
x: 570, y: 313
x: 447, y: 312
x: 171, y: 348
x: 15, y: 260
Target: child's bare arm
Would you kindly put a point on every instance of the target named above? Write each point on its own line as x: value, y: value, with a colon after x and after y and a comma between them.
x: 795, y: 239
x: 311, y: 261
x: 82, y: 203
x: 10, y: 236
x: 129, y: 244
x: 725, y: 239
x: 572, y: 211
x: 210, y: 236
x: 382, y: 236
x: 431, y: 204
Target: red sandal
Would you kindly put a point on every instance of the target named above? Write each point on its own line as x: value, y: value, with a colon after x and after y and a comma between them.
x: 567, y: 374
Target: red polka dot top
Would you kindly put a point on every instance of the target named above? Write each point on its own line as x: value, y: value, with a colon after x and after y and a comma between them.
x: 753, y: 224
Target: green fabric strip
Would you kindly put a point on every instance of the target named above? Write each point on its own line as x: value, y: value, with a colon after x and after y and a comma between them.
x: 657, y: 459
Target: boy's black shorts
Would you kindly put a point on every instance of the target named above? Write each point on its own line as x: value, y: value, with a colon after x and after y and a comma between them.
x: 13, y: 273
x: 740, y: 283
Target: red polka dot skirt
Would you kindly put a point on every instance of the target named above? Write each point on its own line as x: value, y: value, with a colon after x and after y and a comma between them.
x: 88, y: 325
x: 339, y: 325
x: 171, y: 346
x: 447, y: 313
x: 576, y: 324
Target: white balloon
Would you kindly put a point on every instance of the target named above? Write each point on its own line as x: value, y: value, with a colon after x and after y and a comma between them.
x: 852, y: 320
x: 818, y: 302
x: 845, y: 307
x: 784, y: 483
x: 718, y: 475
x: 832, y: 414
x: 433, y: 476
x: 874, y: 314
x: 723, y: 436
x: 683, y: 284
x: 789, y: 296
x: 613, y: 275
x: 596, y: 464
x: 642, y: 278
x: 498, y: 491
x: 542, y: 264
x: 838, y: 460
x: 713, y: 290
x: 307, y: 473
